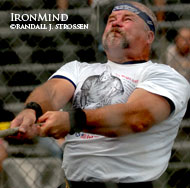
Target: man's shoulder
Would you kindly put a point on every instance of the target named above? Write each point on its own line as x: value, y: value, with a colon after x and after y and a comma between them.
x: 159, y: 69
x: 85, y: 64
x: 164, y: 71
x: 155, y: 66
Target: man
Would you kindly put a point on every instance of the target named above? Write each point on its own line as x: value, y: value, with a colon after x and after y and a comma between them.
x: 178, y: 57
x: 124, y: 144
x: 178, y: 54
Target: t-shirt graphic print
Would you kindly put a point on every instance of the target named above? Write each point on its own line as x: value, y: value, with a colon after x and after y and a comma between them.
x: 98, y: 91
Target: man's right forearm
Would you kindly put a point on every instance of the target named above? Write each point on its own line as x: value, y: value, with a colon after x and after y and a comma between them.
x: 52, y: 95
x: 41, y: 96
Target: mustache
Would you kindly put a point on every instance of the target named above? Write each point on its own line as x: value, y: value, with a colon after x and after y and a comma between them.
x: 124, y: 40
x: 115, y: 30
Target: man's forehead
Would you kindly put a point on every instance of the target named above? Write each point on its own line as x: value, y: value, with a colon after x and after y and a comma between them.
x: 122, y: 13
x: 184, y: 32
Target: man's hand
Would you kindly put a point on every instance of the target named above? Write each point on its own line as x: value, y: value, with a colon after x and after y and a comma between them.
x: 54, y: 124
x: 25, y: 120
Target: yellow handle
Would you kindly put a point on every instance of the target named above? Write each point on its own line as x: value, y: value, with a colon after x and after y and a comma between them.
x: 4, y: 125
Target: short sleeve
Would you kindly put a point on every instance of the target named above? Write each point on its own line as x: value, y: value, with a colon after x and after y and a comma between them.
x: 69, y: 71
x: 165, y: 81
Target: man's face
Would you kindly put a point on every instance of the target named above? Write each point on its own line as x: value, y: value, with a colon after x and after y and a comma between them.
x: 123, y: 30
x: 183, y: 41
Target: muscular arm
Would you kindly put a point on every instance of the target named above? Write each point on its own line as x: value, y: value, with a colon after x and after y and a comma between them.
x: 53, y: 94
x: 142, y: 110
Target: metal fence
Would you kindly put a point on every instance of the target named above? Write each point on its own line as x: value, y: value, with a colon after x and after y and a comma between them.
x: 29, y: 56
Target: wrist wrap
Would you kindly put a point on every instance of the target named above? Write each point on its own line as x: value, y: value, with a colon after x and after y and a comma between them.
x: 77, y: 119
x: 36, y: 107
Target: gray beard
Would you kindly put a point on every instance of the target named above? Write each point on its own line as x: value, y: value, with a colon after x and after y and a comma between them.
x: 124, y: 43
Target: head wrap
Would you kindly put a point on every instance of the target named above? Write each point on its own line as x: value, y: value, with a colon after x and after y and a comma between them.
x: 138, y: 12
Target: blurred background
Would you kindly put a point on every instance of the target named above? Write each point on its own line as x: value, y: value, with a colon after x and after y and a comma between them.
x: 29, y: 57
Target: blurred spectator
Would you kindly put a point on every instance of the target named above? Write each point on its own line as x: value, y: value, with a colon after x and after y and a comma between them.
x: 5, y: 117
x: 3, y: 153
x: 62, y: 4
x: 160, y: 14
x: 52, y: 146
x: 69, y: 4
x: 178, y: 54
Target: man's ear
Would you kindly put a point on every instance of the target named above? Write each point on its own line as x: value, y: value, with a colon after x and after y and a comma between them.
x: 150, y: 37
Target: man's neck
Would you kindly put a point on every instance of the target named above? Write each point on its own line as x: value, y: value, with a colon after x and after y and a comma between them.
x: 126, y: 59
x: 126, y: 56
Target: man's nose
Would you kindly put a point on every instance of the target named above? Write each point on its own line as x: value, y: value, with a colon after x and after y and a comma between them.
x: 117, y: 23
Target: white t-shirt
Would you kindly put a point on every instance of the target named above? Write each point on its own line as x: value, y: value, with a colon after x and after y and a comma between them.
x: 133, y: 158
